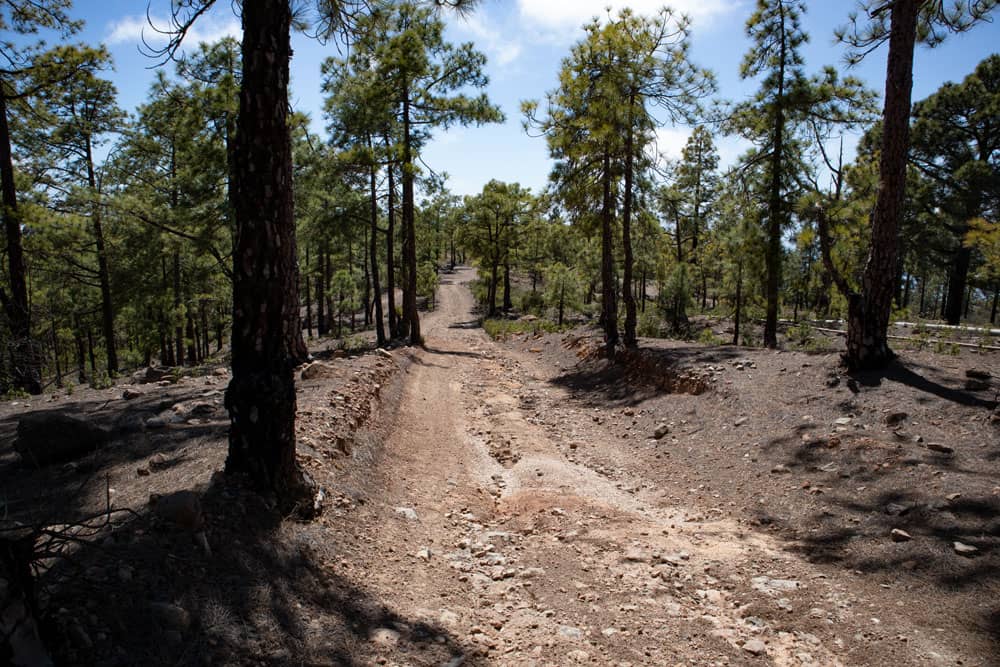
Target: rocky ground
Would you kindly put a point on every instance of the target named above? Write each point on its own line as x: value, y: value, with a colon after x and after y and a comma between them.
x: 523, y: 503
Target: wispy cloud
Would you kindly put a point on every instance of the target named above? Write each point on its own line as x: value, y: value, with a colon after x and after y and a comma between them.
x: 499, y: 49
x: 135, y: 29
x: 560, y: 20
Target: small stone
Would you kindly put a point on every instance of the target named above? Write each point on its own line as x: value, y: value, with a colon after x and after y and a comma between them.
x: 895, y: 418
x: 129, y: 394
x: 953, y: 496
x: 171, y: 616
x: 661, y: 431
x: 635, y: 555
x: 407, y: 513
x: 843, y: 421
x: 424, y: 554
x: 181, y: 508
x: 941, y: 449
x: 978, y: 374
x: 741, y: 421
x: 385, y: 354
x: 895, y: 509
x: 755, y: 647
x: 781, y: 468
x: 964, y: 549
x: 384, y: 637
x: 898, y: 535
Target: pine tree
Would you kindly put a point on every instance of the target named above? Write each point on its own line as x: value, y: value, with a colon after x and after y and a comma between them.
x: 901, y: 24
x: 25, y: 17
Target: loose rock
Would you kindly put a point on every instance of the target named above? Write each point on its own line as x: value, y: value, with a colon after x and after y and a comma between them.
x: 44, y: 438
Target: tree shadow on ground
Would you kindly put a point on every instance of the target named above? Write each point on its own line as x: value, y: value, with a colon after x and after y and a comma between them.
x: 68, y: 491
x: 906, y: 374
x: 271, y: 592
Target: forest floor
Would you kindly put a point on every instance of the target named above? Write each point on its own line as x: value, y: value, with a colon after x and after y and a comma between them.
x: 522, y: 502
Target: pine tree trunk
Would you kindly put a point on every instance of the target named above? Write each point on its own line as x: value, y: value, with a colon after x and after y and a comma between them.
x: 178, y: 326
x: 368, y: 281
x: 409, y: 232
x: 609, y: 306
x: 26, y: 362
x: 266, y: 328
x: 739, y: 303
x: 627, y: 296
x: 103, y: 273
x: 322, y: 323
x: 996, y: 302
x: 390, y: 252
x: 956, y: 285
x: 775, y: 206
x: 55, y: 353
x: 309, y: 306
x: 373, y: 255
x: 868, y: 312
x: 507, y: 304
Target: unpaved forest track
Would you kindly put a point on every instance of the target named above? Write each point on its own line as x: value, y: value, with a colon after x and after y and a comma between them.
x: 513, y: 520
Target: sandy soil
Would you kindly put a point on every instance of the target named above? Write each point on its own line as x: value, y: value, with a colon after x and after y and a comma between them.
x: 523, y: 503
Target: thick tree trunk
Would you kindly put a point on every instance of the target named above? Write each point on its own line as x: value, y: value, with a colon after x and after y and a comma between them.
x: 631, y: 341
x: 956, y: 285
x: 26, y: 362
x: 868, y: 312
x: 266, y: 328
x: 409, y: 232
x: 609, y: 305
x: 373, y: 257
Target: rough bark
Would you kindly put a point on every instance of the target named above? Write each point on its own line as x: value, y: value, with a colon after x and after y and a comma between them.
x: 24, y: 356
x: 390, y: 252
x: 609, y: 306
x: 627, y: 295
x: 957, y: 285
x: 266, y: 327
x: 868, y: 312
x: 373, y: 259
x: 409, y: 233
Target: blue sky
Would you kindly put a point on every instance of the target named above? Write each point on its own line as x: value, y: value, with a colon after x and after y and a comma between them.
x: 524, y: 41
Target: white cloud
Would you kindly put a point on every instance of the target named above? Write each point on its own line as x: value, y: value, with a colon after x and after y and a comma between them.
x: 561, y: 20
x: 670, y: 141
x: 135, y: 29
x: 499, y: 50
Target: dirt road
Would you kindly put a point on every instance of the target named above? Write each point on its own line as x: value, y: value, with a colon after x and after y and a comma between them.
x: 516, y: 519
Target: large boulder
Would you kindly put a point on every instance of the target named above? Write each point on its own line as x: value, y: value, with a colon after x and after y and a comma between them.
x: 44, y: 438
